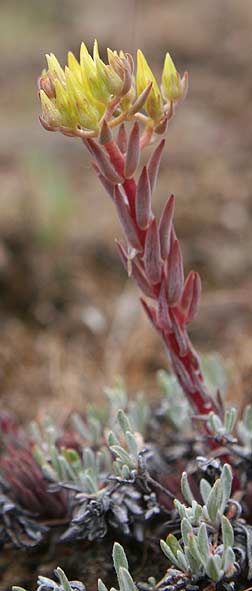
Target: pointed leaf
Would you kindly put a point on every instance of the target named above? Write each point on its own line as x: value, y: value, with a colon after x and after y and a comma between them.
x: 133, y: 152
x: 143, y: 200
x: 186, y: 489
x: 165, y: 226
x: 126, y: 220
x: 175, y: 273
x: 119, y: 558
x: 125, y: 580
x: 152, y: 258
x: 154, y: 163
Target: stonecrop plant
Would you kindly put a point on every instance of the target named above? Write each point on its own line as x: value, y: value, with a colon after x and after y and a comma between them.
x: 179, y: 469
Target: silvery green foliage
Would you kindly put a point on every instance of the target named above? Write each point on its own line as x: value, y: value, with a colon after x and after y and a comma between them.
x: 215, y: 374
x: 86, y: 471
x: 215, y: 499
x: 244, y: 429
x: 46, y: 584
x: 92, y: 430
x: 125, y: 448
x: 124, y: 578
x: 223, y: 429
x: 197, y: 555
x: 174, y: 405
x: 125, y: 581
x: 207, y: 535
x: 138, y: 409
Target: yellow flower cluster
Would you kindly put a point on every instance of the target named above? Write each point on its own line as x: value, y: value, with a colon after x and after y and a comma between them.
x: 76, y: 100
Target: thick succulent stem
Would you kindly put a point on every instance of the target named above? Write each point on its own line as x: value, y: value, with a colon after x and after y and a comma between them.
x: 153, y: 258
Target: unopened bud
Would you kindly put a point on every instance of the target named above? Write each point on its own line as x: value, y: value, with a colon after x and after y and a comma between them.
x: 171, y: 81
x: 46, y: 84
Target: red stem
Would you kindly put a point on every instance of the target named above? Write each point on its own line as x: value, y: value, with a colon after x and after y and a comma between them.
x: 185, y: 363
x: 129, y: 185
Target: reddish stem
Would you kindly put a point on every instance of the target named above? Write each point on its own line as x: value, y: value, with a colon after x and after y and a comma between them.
x: 184, y: 360
x: 129, y: 185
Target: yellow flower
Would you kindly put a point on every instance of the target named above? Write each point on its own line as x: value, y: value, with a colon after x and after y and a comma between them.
x: 77, y: 99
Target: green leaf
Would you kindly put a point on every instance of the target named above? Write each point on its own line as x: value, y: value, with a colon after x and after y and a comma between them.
x: 122, y: 455
x: 228, y: 560
x: 173, y: 544
x: 193, y: 547
x: 89, y: 458
x: 227, y: 533
x: 123, y: 421
x: 214, y: 501
x: 132, y: 444
x: 119, y: 558
x: 126, y: 474
x: 63, y: 579
x: 230, y: 418
x: 197, y: 512
x: 205, y: 489
x: 180, y: 508
x: 247, y: 417
x: 168, y: 553
x: 185, y: 489
x: 213, y: 568
x: 125, y: 580
x: 101, y: 586
x: 203, y: 543
x: 186, y: 529
x: 112, y: 439
x: 182, y: 562
x: 226, y: 483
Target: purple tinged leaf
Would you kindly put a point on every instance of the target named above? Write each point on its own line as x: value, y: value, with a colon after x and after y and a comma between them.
x: 122, y: 139
x: 108, y: 186
x: 182, y: 374
x: 180, y: 334
x: 164, y: 318
x: 126, y: 220
x: 192, y: 313
x: 122, y: 253
x: 154, y: 163
x: 162, y: 126
x: 165, y: 226
x: 105, y: 135
x: 130, y: 61
x: 141, y: 280
x: 127, y: 82
x: 103, y: 162
x: 135, y: 271
x: 191, y: 296
x: 175, y: 272
x: 152, y: 257
x: 133, y: 152
x: 143, y: 200
x: 150, y: 311
x: 141, y: 100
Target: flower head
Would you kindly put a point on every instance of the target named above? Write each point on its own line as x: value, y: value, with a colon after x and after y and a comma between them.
x: 77, y: 99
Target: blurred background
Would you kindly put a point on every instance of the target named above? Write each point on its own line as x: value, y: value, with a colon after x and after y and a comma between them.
x: 70, y: 319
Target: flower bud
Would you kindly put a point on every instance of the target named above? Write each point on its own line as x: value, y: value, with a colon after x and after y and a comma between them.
x: 171, y: 82
x: 153, y: 105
